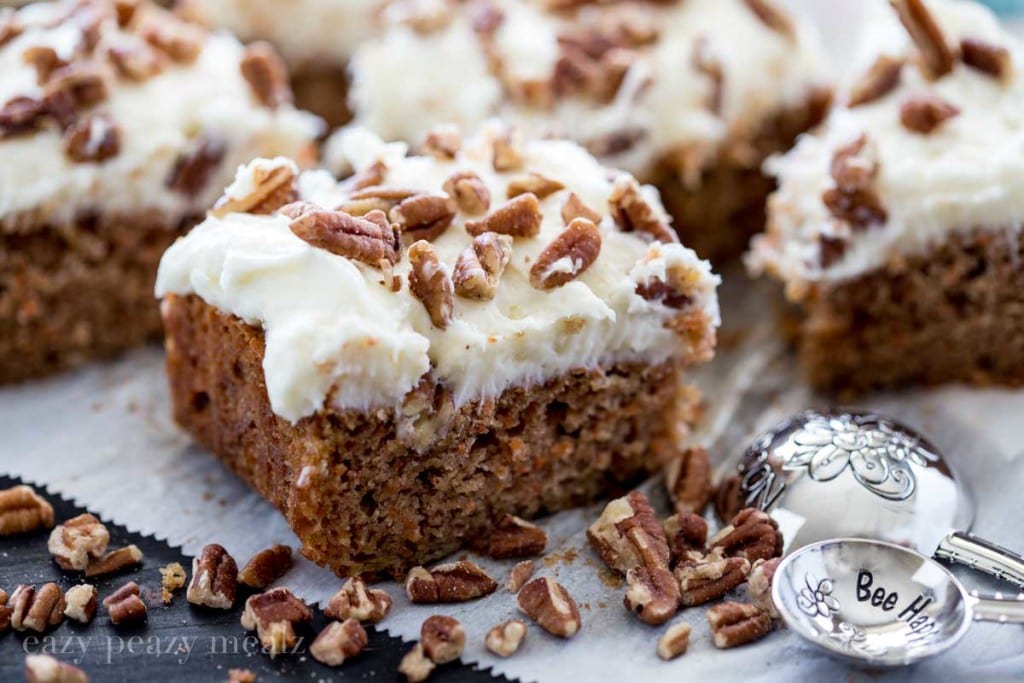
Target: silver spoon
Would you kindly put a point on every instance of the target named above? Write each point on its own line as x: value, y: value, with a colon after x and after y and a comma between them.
x: 880, y: 603
x: 829, y: 474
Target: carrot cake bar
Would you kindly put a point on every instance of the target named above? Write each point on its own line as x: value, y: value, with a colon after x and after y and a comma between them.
x: 119, y: 124
x: 897, y: 226
x: 494, y: 326
x: 690, y: 95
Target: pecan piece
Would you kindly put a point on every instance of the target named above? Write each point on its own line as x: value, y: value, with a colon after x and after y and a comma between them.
x: 93, y: 139
x: 369, y: 239
x: 548, y: 603
x: 480, y: 266
x: 442, y: 142
x: 772, y: 17
x: 267, y: 75
x: 429, y: 282
x: 536, y: 183
x: 936, y: 56
x: 675, y: 641
x: 860, y: 209
x: 266, y: 567
x: 515, y: 537
x: 652, y: 594
x: 519, y: 217
x: 752, y: 535
x: 688, y: 480
x: 727, y: 498
x: 993, y: 60
x: 519, y: 575
x: 706, y: 578
x: 355, y: 600
x: 80, y: 603
x: 78, y: 541
x: 759, y: 585
x: 125, y: 606
x: 442, y: 638
x: 47, y: 669
x: 574, y: 207
x: 830, y: 250
x: 274, y: 615
x: 424, y: 216
x: 241, y: 676
x: 568, y: 256
x: 507, y: 150
x: 456, y: 582
x: 77, y: 85
x: 115, y: 561
x: 36, y: 609
x: 854, y: 199
x: 734, y: 624
x: 194, y: 169
x: 172, y: 577
x: 880, y: 80
x: 180, y: 41
x: 214, y: 578
x: 415, y: 665
x: 339, y: 641
x: 22, y: 510
x: 469, y: 192
x: 924, y: 113
x: 628, y: 534
x: 271, y: 185
x: 136, y: 63
x: 632, y: 212
x: 687, y: 533
x: 505, y: 639
x: 21, y: 115
x: 44, y: 59
x: 5, y: 613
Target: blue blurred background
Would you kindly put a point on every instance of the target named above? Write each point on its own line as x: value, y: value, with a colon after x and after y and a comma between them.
x: 1006, y: 6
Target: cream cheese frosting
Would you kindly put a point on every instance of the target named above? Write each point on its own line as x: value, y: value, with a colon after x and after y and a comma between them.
x: 337, y: 332
x: 966, y: 174
x: 159, y: 118
x: 499, y: 58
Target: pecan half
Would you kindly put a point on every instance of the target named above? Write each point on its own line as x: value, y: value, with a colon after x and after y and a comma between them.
x: 627, y: 534
x: 214, y: 578
x: 505, y: 639
x: 924, y: 113
x: 515, y: 537
x: 172, y: 577
x: 568, y: 255
x: 469, y: 192
x: 752, y: 535
x: 338, y: 642
x: 993, y: 60
x: 21, y: 115
x: 180, y: 41
x: 734, y: 624
x: 442, y: 638
x: 36, y: 609
x: 548, y: 603
x: 519, y: 575
x: 266, y: 74
x: 424, y: 216
x: 23, y: 511
x: 92, y: 139
x: 688, y: 480
x: 772, y: 17
x: 936, y: 56
x: 114, y: 561
x: 274, y: 615
x: 759, y: 585
x: 429, y: 282
x: 78, y: 541
x: 480, y: 266
x: 632, y: 212
x: 80, y: 603
x: 272, y: 186
x: 415, y: 665
x: 687, y: 533
x: 47, y: 669
x: 135, y: 62
x: 369, y: 239
x: 125, y: 606
x: 574, y: 207
x: 539, y: 185
x: 356, y: 600
x: 81, y: 84
x: 519, y: 217
x: 194, y: 169
x: 675, y: 641
x: 651, y: 594
x: 880, y: 80
x: 456, y: 582
x: 442, y: 142
x: 706, y: 578
x: 266, y: 567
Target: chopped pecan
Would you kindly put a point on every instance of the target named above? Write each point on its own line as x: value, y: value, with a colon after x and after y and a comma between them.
x: 266, y: 567
x: 688, y: 480
x: 548, y: 603
x: 628, y: 534
x: 752, y: 535
x: 505, y: 639
x: 772, y: 17
x: 515, y: 537
x: 21, y: 115
x: 675, y: 292
x: 936, y: 56
x: 568, y: 256
x: 338, y: 642
x: 135, y: 62
x: 214, y: 578
x: 126, y: 10
x: 272, y: 186
x: 35, y: 609
x: 5, y: 613
x: 368, y: 177
x: 652, y: 594
x: 125, y: 606
x: 241, y: 676
x: 82, y: 84
x: 78, y: 541
x: 442, y: 142
x: 830, y: 250
x: 172, y: 577
x: 880, y: 80
x: 469, y: 192
x: 370, y: 238
x: 180, y: 41
x: 266, y: 74
x: 759, y: 585
x: 47, y: 669
x: 456, y: 582
x: 442, y: 638
x: 93, y: 139
x: 860, y: 209
x: 993, y: 60
x: 675, y: 641
x: 854, y: 166
x: 115, y: 561
x: 519, y: 217
x: 507, y: 150
x: 391, y: 195
x: 539, y: 185
x: 415, y: 665
x: 519, y: 575
x: 424, y: 216
x: 44, y: 59
x: 575, y: 207
x: 80, y: 603
x: 924, y: 113
x: 429, y: 282
x: 709, y: 64
x: 708, y: 578
x: 355, y: 600
x: 480, y: 265
x: 274, y: 615
x: 734, y: 624
x: 632, y: 212
x: 22, y: 510
x: 728, y: 501
x: 194, y: 169
x: 687, y: 533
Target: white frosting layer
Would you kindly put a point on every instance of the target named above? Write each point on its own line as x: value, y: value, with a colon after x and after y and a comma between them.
x: 334, y: 329
x: 967, y: 174
x: 407, y: 82
x: 158, y: 120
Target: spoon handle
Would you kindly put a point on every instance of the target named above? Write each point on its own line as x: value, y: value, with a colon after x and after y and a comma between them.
x: 998, y: 607
x: 983, y: 556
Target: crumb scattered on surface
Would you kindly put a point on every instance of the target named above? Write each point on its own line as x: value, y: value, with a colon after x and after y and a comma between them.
x: 172, y: 577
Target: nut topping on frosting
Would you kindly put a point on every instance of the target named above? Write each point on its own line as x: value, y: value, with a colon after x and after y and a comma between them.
x: 266, y: 187
x: 92, y: 139
x: 987, y: 58
x: 936, y: 55
x: 267, y: 75
x: 772, y: 17
x: 924, y: 113
x: 535, y: 183
x: 429, y: 282
x: 880, y: 80
x: 568, y: 256
x: 519, y: 217
x: 853, y: 200
x: 424, y: 216
x: 194, y: 169
x: 370, y: 238
x: 575, y: 207
x: 632, y: 211
x: 480, y: 266
x: 469, y: 192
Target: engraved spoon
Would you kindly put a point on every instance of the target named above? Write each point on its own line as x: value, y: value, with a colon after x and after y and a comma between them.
x: 879, y: 603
